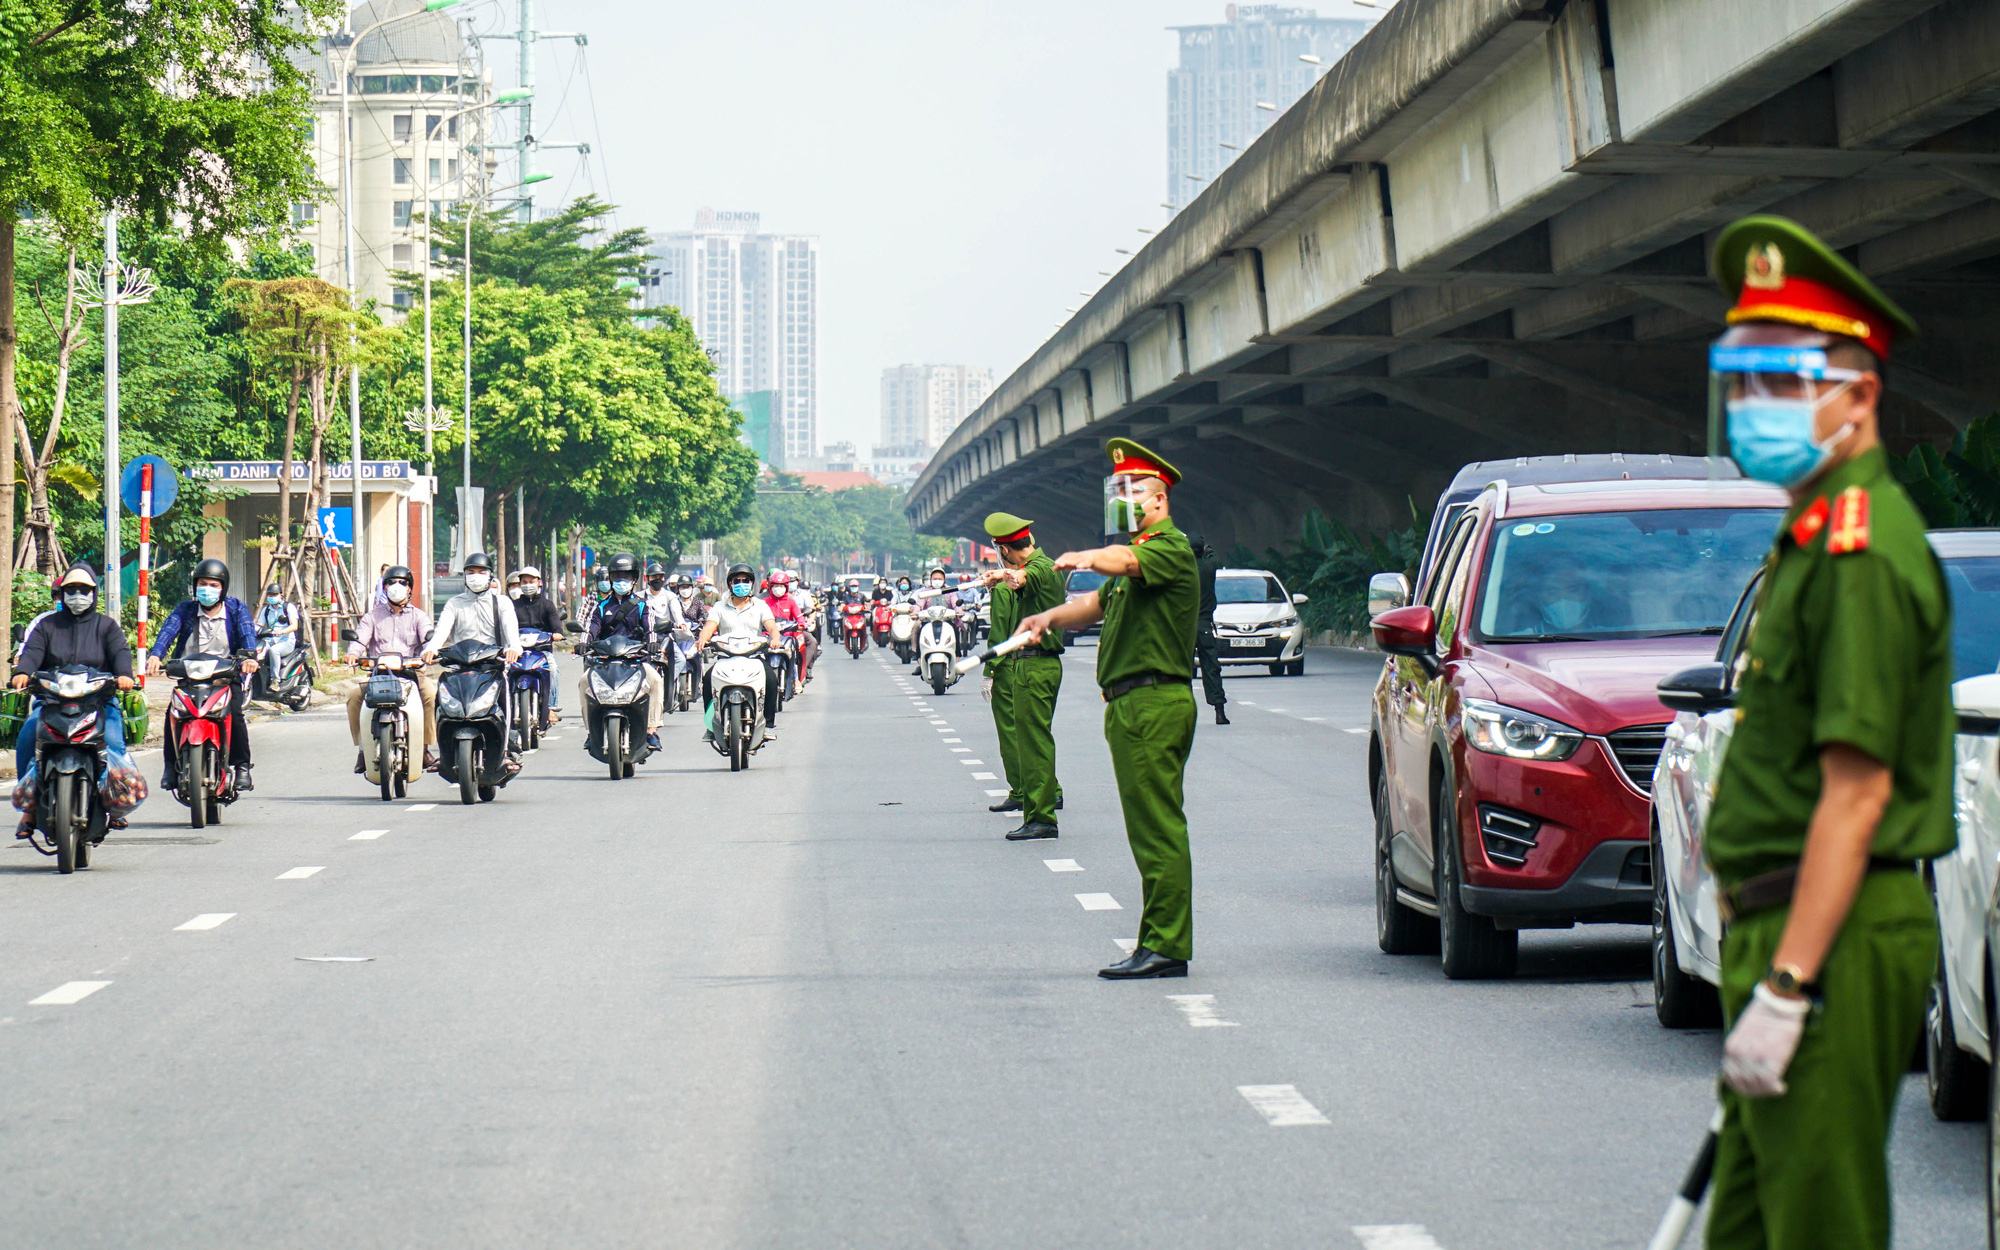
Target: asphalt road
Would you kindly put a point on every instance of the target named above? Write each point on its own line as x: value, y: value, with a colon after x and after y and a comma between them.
x: 824, y: 1004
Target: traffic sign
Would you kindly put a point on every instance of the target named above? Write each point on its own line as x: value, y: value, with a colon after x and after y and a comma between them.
x: 589, y: 558
x: 336, y: 526
x: 166, y: 484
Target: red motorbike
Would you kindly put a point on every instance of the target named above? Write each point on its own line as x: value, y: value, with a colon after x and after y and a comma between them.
x: 884, y: 617
x: 854, y: 627
x: 198, y: 734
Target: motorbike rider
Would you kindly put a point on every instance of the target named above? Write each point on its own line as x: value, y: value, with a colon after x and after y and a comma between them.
x: 694, y: 610
x: 479, y: 613
x: 741, y: 614
x: 785, y: 607
x: 280, y: 620
x: 624, y: 613
x: 75, y: 634
x: 396, y: 627
x: 514, y: 585
x: 214, y: 622
x: 536, y: 610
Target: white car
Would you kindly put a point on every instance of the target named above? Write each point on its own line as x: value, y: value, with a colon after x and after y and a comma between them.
x: 1256, y: 622
x: 1687, y: 928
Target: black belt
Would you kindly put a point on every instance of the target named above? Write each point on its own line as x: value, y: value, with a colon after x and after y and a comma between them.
x: 1119, y: 689
x: 1768, y: 890
x: 1026, y: 654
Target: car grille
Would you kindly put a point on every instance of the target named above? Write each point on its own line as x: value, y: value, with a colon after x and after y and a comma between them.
x: 1507, y: 835
x: 1638, y: 749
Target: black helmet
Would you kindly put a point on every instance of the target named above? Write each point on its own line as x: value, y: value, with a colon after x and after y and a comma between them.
x: 211, y: 570
x: 684, y: 580
x: 743, y: 571
x: 479, y: 560
x: 656, y: 569
x: 398, y: 573
x: 624, y: 563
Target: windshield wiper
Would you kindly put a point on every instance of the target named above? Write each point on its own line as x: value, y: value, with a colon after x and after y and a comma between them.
x: 1543, y: 638
x: 1689, y: 633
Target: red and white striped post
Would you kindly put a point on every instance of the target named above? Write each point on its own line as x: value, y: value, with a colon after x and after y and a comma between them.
x: 145, y: 550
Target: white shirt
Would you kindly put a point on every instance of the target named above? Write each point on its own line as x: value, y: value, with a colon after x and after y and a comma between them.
x: 666, y: 607
x: 747, y: 621
x: 487, y: 618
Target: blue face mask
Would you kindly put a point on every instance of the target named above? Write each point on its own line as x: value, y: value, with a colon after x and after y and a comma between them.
x: 740, y: 589
x: 621, y: 587
x: 604, y: 588
x: 208, y: 596
x: 1771, y: 439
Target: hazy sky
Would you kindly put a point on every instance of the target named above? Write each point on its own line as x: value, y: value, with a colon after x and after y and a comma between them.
x: 968, y: 167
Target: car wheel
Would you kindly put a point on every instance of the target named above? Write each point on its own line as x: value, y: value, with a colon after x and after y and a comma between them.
x: 1277, y: 670
x: 1680, y: 1001
x: 1955, y: 1079
x: 1297, y: 668
x: 1474, y: 948
x: 1992, y: 1134
x: 1399, y: 930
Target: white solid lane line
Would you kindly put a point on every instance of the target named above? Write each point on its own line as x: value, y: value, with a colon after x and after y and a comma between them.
x: 207, y: 920
x: 1063, y: 865
x: 1282, y: 1106
x: 1200, y: 1011
x: 68, y: 993
x: 368, y: 835
x: 1098, y: 902
x: 299, y: 874
x: 1395, y: 1237
x: 420, y: 807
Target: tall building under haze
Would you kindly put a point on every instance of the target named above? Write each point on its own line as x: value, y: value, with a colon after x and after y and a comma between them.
x: 753, y: 299
x: 1227, y: 70
x: 923, y: 404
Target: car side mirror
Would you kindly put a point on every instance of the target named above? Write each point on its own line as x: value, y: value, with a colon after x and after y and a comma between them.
x: 1300, y: 599
x: 1410, y: 631
x: 348, y: 635
x: 1701, y: 689
x: 1387, y: 592
x: 1977, y: 701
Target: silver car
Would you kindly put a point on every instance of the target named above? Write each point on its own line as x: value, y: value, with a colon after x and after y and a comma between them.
x: 1687, y: 928
x: 1256, y: 622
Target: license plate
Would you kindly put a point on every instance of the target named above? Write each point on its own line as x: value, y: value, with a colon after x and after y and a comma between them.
x: 1246, y: 642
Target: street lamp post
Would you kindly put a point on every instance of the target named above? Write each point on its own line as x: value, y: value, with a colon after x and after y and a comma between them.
x: 465, y: 350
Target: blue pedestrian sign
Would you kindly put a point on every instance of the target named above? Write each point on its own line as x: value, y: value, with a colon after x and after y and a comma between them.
x: 589, y: 558
x: 336, y: 526
x: 166, y: 484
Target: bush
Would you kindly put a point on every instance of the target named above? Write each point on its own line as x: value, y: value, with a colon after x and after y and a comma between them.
x: 1331, y: 564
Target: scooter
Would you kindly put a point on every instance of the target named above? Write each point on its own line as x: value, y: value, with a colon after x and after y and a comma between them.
x: 198, y: 733
x: 528, y: 682
x: 614, y: 707
x: 903, y: 632
x: 394, y: 703
x: 687, y: 675
x: 884, y: 619
x: 69, y: 755
x: 854, y: 628
x: 938, y: 644
x: 736, y: 669
x: 472, y: 720
x: 286, y: 678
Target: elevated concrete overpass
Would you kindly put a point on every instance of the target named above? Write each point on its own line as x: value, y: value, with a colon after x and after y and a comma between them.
x: 1485, y: 233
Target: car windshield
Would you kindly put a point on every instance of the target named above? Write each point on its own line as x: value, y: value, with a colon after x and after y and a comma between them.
x: 1083, y: 581
x: 1975, y: 614
x: 1620, y: 574
x: 1249, y: 588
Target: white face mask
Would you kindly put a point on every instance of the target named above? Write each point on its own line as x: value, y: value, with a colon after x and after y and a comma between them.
x: 397, y: 592
x: 478, y: 583
x: 79, y: 601
x: 530, y: 590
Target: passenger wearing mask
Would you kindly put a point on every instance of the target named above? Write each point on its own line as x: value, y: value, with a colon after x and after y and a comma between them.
x: 536, y: 609
x: 396, y: 627
x: 785, y: 607
x: 694, y: 610
x: 668, y: 614
x: 479, y: 613
x: 280, y: 620
x: 514, y: 586
x: 214, y: 622
x: 743, y: 615
x: 74, y: 633
x: 624, y: 613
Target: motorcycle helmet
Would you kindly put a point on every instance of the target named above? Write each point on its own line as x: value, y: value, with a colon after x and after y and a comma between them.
x: 655, y: 569
x: 739, y: 573
x: 211, y: 570
x: 477, y: 560
x: 399, y: 573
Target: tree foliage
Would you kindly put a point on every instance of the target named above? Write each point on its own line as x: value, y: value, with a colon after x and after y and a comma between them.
x: 1331, y: 563
x: 1959, y: 486
x: 793, y: 520
x: 563, y: 252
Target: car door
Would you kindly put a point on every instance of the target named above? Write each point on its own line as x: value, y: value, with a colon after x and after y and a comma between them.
x: 1412, y: 695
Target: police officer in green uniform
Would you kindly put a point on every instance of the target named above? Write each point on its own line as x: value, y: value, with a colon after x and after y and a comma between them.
x: 1839, y: 774
x: 1023, y: 686
x: 1145, y: 669
x: 1206, y: 650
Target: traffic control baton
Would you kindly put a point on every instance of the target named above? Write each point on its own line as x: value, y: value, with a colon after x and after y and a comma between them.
x: 1680, y: 1212
x: 993, y: 652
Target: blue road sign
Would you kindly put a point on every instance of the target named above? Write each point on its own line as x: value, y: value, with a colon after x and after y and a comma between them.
x: 336, y: 526
x: 589, y: 558
x: 166, y: 484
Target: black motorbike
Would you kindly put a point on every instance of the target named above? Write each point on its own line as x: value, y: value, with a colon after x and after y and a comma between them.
x: 287, y: 678
x: 472, y: 720
x: 614, y: 677
x: 69, y: 755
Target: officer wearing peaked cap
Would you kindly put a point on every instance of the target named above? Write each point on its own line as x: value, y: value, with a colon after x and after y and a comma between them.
x: 1023, y: 686
x: 1839, y: 774
x: 1145, y: 669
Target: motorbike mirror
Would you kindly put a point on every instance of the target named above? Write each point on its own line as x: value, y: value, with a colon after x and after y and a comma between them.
x: 348, y: 635
x: 572, y: 627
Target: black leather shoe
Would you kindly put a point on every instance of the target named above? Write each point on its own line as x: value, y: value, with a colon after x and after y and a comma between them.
x: 1143, y: 963
x: 1029, y: 833
x: 243, y: 783
x: 1009, y: 804
x: 1221, y: 717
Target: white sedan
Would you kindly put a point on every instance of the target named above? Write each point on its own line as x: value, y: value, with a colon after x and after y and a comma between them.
x: 1256, y: 622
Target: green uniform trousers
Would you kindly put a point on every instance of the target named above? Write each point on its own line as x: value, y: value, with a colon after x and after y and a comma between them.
x: 1810, y: 1170
x: 1024, y: 713
x: 1207, y: 658
x: 1150, y: 731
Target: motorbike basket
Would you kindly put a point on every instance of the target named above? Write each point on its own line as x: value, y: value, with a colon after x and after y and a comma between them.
x: 383, y: 690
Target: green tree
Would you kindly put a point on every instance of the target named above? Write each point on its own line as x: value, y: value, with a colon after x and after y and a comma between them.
x: 557, y: 253
x: 1959, y: 486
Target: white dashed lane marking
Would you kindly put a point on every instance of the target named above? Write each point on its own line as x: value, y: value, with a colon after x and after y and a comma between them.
x: 971, y: 762
x: 958, y: 750
x: 1282, y: 1106
x: 207, y: 920
x: 1063, y: 865
x: 420, y: 807
x: 299, y: 874
x: 368, y: 835
x: 68, y: 994
x: 951, y: 739
x: 1200, y: 1011
x: 1362, y: 730
x: 1128, y: 945
x: 937, y: 722
x: 996, y: 794
x: 1395, y: 1237
x: 1098, y: 902
x: 986, y: 777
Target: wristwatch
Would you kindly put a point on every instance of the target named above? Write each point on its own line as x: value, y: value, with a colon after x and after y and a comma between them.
x: 1788, y: 981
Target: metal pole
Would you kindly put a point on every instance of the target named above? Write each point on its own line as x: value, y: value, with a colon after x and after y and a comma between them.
x: 428, y: 408
x: 353, y: 293
x: 465, y: 353
x: 145, y: 551
x: 521, y: 524
x: 113, y: 544
x: 527, y: 139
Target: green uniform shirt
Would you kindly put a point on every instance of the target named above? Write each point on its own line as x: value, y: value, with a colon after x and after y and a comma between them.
x: 1042, y: 590
x: 1149, y: 619
x: 1853, y: 648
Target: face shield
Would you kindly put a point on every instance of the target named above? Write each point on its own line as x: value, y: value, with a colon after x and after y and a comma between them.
x: 1763, y: 401
x: 1125, y: 496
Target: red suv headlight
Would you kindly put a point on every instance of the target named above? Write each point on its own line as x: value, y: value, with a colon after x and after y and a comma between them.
x: 1498, y: 729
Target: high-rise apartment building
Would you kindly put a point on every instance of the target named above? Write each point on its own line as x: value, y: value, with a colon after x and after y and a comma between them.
x: 413, y: 151
x: 1227, y: 70
x: 753, y: 299
x: 923, y: 404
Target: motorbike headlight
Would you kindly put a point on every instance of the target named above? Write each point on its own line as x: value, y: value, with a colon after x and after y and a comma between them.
x: 448, y: 704
x: 483, y: 703
x: 1501, y: 730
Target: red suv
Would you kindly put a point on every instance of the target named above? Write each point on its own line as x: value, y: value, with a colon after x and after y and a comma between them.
x: 1516, y: 724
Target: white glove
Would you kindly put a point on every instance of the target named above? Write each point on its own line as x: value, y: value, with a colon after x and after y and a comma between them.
x: 1761, y: 1046
x: 986, y: 690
